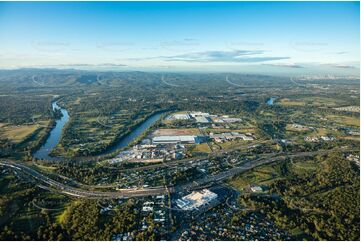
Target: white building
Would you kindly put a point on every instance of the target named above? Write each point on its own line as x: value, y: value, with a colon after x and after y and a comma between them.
x: 181, y: 116
x: 198, y: 114
x: 201, y: 119
x: 311, y: 139
x: 196, y: 199
x: 256, y: 189
x: 147, y: 209
x: 327, y: 138
x: 232, y: 120
x: 230, y: 136
x: 174, y: 139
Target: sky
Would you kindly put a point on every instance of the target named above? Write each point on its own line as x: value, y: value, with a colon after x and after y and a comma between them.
x: 250, y: 37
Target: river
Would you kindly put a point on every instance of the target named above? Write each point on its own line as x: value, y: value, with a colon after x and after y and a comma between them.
x: 55, y: 135
x: 135, y: 133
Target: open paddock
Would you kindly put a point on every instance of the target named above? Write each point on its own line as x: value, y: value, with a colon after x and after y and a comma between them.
x: 18, y: 133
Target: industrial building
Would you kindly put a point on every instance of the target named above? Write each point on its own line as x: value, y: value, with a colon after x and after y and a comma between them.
x: 256, y: 189
x: 189, y: 139
x: 231, y: 136
x: 195, y: 200
x: 198, y: 114
x: 232, y: 120
x: 202, y: 119
x: 181, y: 116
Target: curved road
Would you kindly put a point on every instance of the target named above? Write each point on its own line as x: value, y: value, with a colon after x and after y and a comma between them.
x: 50, y: 184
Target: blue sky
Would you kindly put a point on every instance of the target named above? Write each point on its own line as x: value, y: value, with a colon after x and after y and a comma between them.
x: 261, y: 37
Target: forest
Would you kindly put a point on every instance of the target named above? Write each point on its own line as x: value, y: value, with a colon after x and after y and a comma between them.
x: 318, y: 202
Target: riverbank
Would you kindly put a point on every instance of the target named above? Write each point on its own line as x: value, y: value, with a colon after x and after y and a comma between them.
x: 54, y: 136
x: 45, y: 151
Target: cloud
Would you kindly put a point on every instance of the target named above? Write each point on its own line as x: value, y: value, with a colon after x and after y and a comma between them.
x: 308, y: 46
x: 236, y: 56
x: 342, y: 66
x: 91, y: 65
x: 289, y: 65
x: 184, y: 42
x: 110, y: 64
x: 47, y: 46
x: 114, y: 46
x: 341, y: 52
x: 184, y: 45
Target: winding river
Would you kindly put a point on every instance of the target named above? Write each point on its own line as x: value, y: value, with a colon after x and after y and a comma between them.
x: 135, y: 133
x: 55, y: 135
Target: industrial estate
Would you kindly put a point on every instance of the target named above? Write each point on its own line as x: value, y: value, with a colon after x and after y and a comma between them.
x: 169, y: 121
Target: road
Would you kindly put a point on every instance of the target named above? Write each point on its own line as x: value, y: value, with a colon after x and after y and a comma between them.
x: 186, y: 160
x: 77, y: 192
x: 50, y: 184
x: 169, y: 84
x: 234, y: 84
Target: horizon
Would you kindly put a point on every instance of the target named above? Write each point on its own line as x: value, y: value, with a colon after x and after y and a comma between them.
x: 268, y: 38
x: 184, y: 72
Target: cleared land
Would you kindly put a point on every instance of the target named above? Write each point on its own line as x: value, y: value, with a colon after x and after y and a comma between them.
x: 344, y: 120
x: 18, y: 133
x: 289, y: 102
x: 202, y: 148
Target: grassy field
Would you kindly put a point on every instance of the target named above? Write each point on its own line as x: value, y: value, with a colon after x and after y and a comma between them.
x: 344, y: 120
x: 323, y: 101
x: 289, y: 127
x: 322, y: 131
x: 312, y: 101
x: 201, y: 148
x: 303, y: 167
x: 260, y: 176
x: 61, y: 218
x: 232, y: 144
x: 355, y: 138
x: 17, y: 133
x: 43, y: 168
x: 266, y: 175
x: 289, y: 102
x: 77, y: 101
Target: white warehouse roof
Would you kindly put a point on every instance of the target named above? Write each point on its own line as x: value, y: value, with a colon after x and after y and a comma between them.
x: 174, y: 139
x: 202, y: 119
x: 181, y: 116
x: 196, y: 199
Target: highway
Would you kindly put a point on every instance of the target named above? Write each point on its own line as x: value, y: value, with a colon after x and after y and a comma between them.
x: 52, y: 185
x: 77, y: 192
x: 187, y: 160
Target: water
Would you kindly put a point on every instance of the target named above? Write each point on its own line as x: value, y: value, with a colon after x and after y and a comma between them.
x: 129, y: 138
x: 271, y: 100
x: 54, y: 137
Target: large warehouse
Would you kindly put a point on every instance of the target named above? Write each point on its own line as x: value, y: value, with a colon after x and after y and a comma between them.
x: 189, y: 139
x: 196, y: 199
